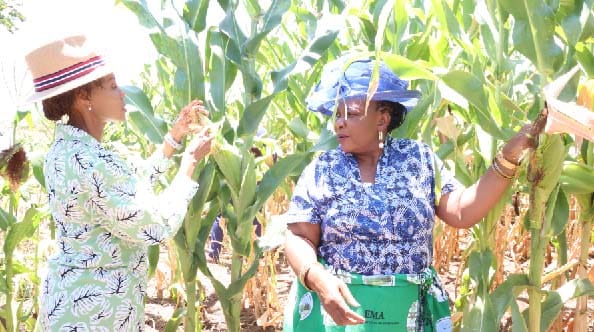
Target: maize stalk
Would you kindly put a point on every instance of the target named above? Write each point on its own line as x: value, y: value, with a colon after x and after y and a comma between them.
x: 544, y: 169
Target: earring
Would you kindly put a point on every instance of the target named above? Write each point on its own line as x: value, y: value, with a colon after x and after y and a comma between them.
x: 381, y: 139
x: 90, y: 107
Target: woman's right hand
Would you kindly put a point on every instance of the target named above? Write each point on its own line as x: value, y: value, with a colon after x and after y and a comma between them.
x: 335, y: 296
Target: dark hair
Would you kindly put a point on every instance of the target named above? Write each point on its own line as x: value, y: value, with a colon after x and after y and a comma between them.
x: 57, y: 106
x: 397, y: 113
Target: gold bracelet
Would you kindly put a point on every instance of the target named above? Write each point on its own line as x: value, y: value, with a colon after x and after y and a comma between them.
x: 498, y: 170
x: 505, y: 162
x: 303, y: 273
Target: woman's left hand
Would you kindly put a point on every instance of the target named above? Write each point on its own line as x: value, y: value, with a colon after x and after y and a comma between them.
x: 526, y: 138
x: 190, y: 119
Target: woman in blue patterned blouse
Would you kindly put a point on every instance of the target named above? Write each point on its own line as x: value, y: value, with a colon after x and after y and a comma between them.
x: 361, y: 216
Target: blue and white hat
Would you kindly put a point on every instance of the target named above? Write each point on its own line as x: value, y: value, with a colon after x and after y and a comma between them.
x: 337, y: 84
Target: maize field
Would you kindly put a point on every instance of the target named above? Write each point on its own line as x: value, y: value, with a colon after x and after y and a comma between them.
x: 482, y: 66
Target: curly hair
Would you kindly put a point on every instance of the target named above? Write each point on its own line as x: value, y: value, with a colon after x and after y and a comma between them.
x: 397, y: 113
x: 56, y: 107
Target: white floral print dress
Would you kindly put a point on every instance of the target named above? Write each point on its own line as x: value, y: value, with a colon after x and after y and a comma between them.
x: 106, y: 215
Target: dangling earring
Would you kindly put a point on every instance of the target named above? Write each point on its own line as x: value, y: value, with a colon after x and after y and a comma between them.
x: 90, y: 109
x: 381, y: 139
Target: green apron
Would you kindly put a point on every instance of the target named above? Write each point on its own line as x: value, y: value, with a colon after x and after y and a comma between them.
x: 388, y: 303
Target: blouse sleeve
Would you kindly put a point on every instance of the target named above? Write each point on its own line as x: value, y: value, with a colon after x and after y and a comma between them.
x: 125, y: 204
x: 304, y: 205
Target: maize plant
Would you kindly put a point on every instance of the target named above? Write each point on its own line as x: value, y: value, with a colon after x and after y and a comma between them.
x: 481, y: 66
x: 229, y: 184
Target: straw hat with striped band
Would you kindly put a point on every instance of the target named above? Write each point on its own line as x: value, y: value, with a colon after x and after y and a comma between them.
x: 63, y: 65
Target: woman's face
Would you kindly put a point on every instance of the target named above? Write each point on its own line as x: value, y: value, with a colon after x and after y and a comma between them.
x: 107, y: 100
x: 357, y: 132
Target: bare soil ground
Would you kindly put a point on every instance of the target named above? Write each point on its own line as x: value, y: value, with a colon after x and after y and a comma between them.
x: 160, y: 308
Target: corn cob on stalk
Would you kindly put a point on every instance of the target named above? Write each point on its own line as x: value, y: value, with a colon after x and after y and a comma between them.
x: 544, y: 169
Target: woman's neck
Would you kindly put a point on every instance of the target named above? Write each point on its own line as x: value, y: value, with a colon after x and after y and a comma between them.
x: 368, y: 164
x: 87, y: 125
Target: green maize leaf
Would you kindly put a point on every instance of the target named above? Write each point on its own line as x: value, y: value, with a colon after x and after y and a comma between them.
x: 195, y: 14
x: 153, y: 259
x: 272, y: 19
x: 480, y: 267
x: 253, y: 114
x: 204, y: 232
x: 585, y: 58
x: 577, y: 22
x: 553, y: 303
x: 326, y: 141
x: 486, y: 144
x: 401, y: 20
x: 298, y: 128
x: 137, y: 98
x: 145, y: 18
x: 251, y: 81
x: 6, y: 220
x: 177, y: 317
x: 276, y: 175
x: 247, y: 191
x: 407, y: 69
x: 316, y: 48
x: 219, y: 84
x: 189, y: 77
x: 560, y: 214
x: 144, y: 120
x: 193, y: 67
x: 446, y: 18
x: 414, y: 119
x: 506, y: 293
x: 37, y: 166
x: 148, y: 126
x: 186, y: 260
x: 480, y: 318
x: 444, y: 150
x: 181, y: 94
x: 518, y: 321
x: 380, y: 22
x: 577, y: 178
x: 22, y: 230
x: 472, y: 89
x: 228, y: 159
x: 461, y: 171
x: 534, y: 32
x: 253, y: 8
x: 193, y: 223
x: 230, y: 27
x: 368, y: 29
x: 225, y: 4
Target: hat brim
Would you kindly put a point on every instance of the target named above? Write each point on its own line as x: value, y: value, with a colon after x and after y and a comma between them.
x: 408, y: 99
x: 98, y: 73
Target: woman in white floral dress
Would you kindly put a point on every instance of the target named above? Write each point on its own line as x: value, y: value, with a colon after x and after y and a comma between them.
x: 105, y: 210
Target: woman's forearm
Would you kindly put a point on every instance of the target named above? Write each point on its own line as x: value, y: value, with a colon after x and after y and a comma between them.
x: 300, y: 252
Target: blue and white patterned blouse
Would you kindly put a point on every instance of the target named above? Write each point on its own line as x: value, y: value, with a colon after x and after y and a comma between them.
x: 373, y: 228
